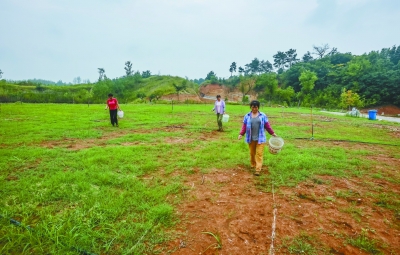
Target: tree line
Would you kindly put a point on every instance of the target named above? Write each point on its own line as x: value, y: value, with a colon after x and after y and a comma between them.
x: 324, y: 77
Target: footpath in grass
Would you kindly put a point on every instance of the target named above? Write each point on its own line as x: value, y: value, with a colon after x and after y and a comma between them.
x: 167, y: 182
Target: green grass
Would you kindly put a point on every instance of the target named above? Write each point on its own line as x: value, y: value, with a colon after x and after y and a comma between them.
x: 79, y: 182
x: 302, y: 244
x: 364, y: 243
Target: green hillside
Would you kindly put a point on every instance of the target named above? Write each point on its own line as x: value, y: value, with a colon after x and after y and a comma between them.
x: 126, y: 89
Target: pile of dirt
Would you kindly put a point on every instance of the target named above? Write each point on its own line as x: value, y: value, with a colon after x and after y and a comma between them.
x: 210, y: 91
x: 386, y: 110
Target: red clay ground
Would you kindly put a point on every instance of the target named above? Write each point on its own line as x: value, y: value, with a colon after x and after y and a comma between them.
x: 387, y: 110
x: 325, y: 212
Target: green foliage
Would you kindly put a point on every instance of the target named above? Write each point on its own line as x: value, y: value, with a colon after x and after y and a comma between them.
x: 350, y: 99
x: 301, y: 244
x: 364, y: 243
x: 267, y: 84
x: 181, y: 87
x: 218, y: 244
x: 285, y: 95
x: 307, y: 81
x: 125, y: 89
x: 232, y: 68
x: 211, y: 78
x: 128, y: 68
x: 146, y: 74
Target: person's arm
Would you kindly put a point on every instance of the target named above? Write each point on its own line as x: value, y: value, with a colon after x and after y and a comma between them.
x: 267, y: 127
x: 116, y: 101
x: 215, y: 105
x: 223, y: 107
x: 243, y: 130
x: 106, y: 106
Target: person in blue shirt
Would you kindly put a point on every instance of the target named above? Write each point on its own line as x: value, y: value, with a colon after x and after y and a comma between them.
x: 254, y: 125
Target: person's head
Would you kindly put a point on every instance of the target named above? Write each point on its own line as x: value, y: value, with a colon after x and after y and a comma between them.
x: 254, y: 105
x: 218, y: 97
x: 110, y: 95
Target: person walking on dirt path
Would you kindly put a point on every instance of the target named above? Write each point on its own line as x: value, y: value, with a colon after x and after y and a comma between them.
x: 112, y: 104
x: 254, y: 125
x: 219, y: 108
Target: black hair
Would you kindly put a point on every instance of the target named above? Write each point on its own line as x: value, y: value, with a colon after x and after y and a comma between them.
x: 110, y: 95
x: 218, y: 96
x: 255, y: 103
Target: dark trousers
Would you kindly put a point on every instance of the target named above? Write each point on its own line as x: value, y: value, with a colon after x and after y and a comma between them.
x: 219, y: 120
x: 113, y: 117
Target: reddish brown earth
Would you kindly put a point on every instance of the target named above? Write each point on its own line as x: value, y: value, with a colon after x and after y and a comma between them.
x: 211, y: 90
x: 227, y: 203
x: 234, y: 95
x: 387, y: 110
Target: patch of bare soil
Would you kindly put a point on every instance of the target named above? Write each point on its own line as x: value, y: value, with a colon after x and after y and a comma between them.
x: 79, y: 144
x: 329, y: 210
x: 387, y: 110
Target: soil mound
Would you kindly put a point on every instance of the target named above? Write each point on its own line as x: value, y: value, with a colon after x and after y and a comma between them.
x: 387, y: 110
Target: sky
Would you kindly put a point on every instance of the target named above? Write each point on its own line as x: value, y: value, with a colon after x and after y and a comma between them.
x: 63, y: 39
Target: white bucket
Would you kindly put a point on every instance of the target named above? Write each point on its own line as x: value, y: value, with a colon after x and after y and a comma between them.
x: 225, y: 118
x: 275, y: 144
x: 120, y: 114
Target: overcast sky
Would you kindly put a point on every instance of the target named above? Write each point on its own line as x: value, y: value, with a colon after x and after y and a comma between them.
x: 63, y: 39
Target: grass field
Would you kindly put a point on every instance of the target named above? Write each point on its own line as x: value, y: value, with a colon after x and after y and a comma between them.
x: 75, y: 184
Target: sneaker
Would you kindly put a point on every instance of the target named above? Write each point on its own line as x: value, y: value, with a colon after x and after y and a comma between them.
x: 257, y: 173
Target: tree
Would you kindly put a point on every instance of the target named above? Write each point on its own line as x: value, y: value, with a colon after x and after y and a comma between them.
x: 307, y: 57
x: 101, y: 89
x: 266, y: 66
x: 146, y: 74
x: 291, y: 58
x: 280, y: 59
x: 268, y: 84
x: 77, y: 80
x: 307, y: 81
x: 350, y: 99
x: 1, y: 73
x: 101, y: 73
x: 232, y: 68
x: 253, y: 67
x: 140, y: 95
x: 212, y: 77
x: 181, y: 87
x: 321, y: 51
x: 128, y: 68
x: 241, y: 70
x: 247, y: 84
x: 285, y: 94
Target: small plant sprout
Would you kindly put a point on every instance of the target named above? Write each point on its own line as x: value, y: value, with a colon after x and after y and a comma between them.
x: 218, y: 244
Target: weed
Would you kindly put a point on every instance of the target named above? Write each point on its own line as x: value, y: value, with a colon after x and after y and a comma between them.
x: 364, y: 243
x: 354, y: 211
x: 301, y: 244
x: 329, y: 198
x: 218, y: 244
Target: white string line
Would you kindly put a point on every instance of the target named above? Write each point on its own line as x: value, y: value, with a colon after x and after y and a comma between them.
x: 271, y: 248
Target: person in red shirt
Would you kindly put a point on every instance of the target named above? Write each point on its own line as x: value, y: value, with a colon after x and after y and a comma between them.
x: 112, y: 104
